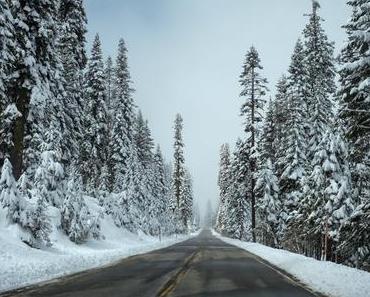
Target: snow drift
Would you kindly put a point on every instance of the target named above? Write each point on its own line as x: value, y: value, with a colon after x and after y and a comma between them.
x: 328, y: 278
x: 22, y: 265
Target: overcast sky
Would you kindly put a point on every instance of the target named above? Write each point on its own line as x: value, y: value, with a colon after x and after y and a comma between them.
x: 186, y: 56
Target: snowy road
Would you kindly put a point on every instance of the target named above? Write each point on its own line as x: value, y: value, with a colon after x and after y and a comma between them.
x: 202, y: 266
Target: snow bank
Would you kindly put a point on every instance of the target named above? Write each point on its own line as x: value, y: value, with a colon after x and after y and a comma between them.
x: 326, y: 277
x: 21, y: 265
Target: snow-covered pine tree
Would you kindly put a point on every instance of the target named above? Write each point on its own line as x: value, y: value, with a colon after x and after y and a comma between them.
x: 320, y: 72
x: 104, y: 188
x: 160, y: 191
x: 47, y: 188
x: 8, y: 119
x: 266, y: 149
x: 280, y: 120
x: 144, y: 149
x: 31, y: 216
x: 110, y: 95
x: 340, y: 204
x: 34, y: 79
x: 144, y: 141
x: 269, y: 206
x: 178, y: 175
x: 38, y: 222
x: 328, y: 202
x: 160, y: 170
x: 50, y: 173
x: 124, y: 117
x: 136, y: 215
x: 10, y: 197
x: 8, y: 109
x: 238, y: 204
x: 6, y: 47
x: 109, y: 82
x: 254, y: 91
x: 73, y: 219
x: 266, y: 174
x: 71, y: 44
x: 296, y: 84
x: 170, y: 200
x: 96, y: 128
x: 293, y: 161
x: 186, y: 208
x: 224, y: 178
x: 354, y: 96
x: 354, y: 111
x: 355, y: 237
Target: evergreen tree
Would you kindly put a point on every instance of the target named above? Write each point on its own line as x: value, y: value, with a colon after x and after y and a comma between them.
x: 170, y: 202
x: 267, y: 145
x: 319, y: 65
x: 8, y: 109
x: 95, y: 146
x: 187, y: 207
x: 161, y: 191
x: 328, y: 193
x: 71, y: 43
x: 104, y: 186
x: 143, y: 141
x: 144, y: 151
x: 160, y: 173
x: 48, y: 187
x: 238, y: 223
x: 8, y: 118
x: 269, y: 205
x: 340, y: 203
x: 353, y: 95
x: 10, y: 197
x: 49, y: 175
x: 135, y: 202
x: 38, y: 222
x: 254, y: 90
x: 293, y: 162
x: 74, y: 214
x: 297, y: 89
x: 31, y: 217
x: 280, y: 119
x: 354, y: 106
x: 109, y: 83
x: 178, y: 175
x: 124, y: 119
x: 109, y: 172
x: 34, y: 80
x: 224, y: 178
x: 355, y: 238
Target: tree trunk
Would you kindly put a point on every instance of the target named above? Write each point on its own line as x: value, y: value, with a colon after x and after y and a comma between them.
x: 253, y: 163
x: 16, y: 154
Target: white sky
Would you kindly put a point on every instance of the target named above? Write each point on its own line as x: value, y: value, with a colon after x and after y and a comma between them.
x: 186, y: 56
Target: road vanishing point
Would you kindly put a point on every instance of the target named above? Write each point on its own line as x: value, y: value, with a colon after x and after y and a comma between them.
x: 203, y: 266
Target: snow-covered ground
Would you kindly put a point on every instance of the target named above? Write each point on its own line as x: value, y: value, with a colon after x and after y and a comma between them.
x: 327, y: 278
x: 21, y: 265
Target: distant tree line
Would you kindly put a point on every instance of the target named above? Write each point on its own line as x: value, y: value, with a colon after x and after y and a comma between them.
x: 300, y: 178
x: 70, y: 132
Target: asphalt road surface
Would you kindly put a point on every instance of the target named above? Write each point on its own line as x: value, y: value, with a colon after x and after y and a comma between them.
x: 203, y: 266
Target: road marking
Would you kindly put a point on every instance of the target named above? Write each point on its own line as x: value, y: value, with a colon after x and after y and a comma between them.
x: 171, y: 284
